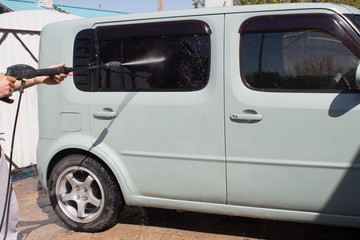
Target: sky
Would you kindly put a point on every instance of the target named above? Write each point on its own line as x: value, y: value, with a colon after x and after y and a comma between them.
x: 129, y: 6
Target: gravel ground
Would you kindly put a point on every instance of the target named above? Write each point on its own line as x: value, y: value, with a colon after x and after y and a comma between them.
x: 39, y: 221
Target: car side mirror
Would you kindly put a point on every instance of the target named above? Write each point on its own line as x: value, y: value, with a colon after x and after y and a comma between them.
x: 357, y: 75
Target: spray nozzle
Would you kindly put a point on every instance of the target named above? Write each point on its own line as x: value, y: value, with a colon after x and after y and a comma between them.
x: 114, y: 65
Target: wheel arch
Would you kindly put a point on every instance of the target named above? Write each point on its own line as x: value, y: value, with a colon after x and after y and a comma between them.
x: 66, y: 152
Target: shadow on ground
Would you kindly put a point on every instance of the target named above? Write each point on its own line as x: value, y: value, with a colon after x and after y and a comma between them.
x: 39, y: 217
x: 233, y: 226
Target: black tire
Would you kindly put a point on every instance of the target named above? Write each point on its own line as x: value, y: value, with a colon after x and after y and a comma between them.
x: 84, y: 194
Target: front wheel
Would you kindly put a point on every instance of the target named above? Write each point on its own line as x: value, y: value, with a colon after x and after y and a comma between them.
x: 84, y: 194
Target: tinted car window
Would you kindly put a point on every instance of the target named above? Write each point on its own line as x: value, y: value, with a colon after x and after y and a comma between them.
x: 297, y: 60
x: 292, y: 54
x: 173, y: 59
x: 357, y: 19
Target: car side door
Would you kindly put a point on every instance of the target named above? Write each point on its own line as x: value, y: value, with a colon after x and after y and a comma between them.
x: 292, y: 112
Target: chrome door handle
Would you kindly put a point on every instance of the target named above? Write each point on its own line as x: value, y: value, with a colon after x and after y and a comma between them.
x: 105, y: 114
x: 246, y: 117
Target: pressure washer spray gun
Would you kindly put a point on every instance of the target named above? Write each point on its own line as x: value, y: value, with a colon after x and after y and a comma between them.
x: 23, y: 72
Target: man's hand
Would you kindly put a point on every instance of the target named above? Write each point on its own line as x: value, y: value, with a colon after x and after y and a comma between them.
x: 7, y: 85
x: 55, y: 79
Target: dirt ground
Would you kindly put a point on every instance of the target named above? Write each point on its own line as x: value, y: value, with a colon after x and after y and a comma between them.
x: 39, y: 221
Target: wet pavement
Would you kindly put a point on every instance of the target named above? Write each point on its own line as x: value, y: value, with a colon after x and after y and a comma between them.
x: 39, y: 221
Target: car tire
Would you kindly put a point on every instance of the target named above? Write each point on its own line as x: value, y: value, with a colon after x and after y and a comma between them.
x: 84, y: 194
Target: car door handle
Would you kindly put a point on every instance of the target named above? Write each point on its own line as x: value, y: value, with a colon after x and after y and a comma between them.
x: 246, y: 117
x: 105, y: 114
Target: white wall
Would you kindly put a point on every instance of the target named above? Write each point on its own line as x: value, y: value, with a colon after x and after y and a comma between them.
x: 11, y: 53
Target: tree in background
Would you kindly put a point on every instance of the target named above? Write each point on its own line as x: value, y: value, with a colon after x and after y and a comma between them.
x: 354, y: 3
x: 198, y: 3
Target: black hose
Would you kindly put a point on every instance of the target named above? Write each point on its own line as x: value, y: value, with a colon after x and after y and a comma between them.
x: 6, y: 209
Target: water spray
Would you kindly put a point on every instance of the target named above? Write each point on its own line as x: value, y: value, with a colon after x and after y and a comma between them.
x: 150, y: 60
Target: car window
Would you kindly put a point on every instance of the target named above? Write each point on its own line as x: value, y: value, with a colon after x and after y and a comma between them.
x: 177, y: 58
x: 297, y: 60
x: 357, y: 19
x: 300, y: 59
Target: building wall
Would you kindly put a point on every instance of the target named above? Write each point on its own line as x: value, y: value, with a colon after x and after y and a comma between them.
x: 11, y: 53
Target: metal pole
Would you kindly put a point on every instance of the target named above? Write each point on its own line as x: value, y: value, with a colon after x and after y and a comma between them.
x: 161, y: 5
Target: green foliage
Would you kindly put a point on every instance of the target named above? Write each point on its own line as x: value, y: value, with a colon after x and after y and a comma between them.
x: 198, y: 3
x: 354, y: 3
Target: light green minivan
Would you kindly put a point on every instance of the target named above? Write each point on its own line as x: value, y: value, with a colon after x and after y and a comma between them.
x: 247, y: 111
